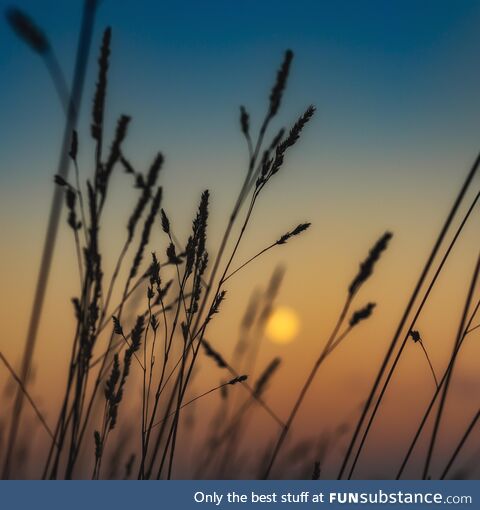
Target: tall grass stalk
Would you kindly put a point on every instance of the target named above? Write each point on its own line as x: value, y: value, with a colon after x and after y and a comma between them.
x: 83, y: 50
x: 461, y: 328
x: 461, y: 444
x: 365, y: 271
x: 403, y: 320
x: 437, y: 393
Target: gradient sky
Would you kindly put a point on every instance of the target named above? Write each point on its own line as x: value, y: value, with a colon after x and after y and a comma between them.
x: 397, y: 90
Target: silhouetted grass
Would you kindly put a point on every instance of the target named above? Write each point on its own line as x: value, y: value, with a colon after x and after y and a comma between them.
x: 183, y: 289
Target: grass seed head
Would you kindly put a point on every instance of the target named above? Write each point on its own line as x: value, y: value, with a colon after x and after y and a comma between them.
x: 367, y: 266
x: 239, y: 379
x: 295, y: 232
x: 244, y: 121
x: 415, y: 336
x: 101, y: 89
x: 117, y: 327
x: 98, y: 444
x: 266, y: 376
x: 212, y: 353
x: 73, y: 146
x: 362, y: 314
x: 280, y: 83
x: 27, y: 30
x: 165, y: 222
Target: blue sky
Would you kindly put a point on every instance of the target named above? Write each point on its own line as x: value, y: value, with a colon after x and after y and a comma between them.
x: 398, y: 64
x: 396, y: 85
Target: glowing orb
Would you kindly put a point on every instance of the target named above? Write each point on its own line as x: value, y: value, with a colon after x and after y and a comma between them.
x: 283, y: 325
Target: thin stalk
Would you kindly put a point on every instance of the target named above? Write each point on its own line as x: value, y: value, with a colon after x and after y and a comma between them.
x: 429, y: 362
x: 159, y: 386
x: 306, y: 386
x: 191, y: 402
x: 246, y: 186
x: 113, y: 347
x: 437, y: 392
x: 158, y: 440
x: 461, y: 329
x: 152, y: 363
x: 80, y: 200
x: 61, y: 426
x: 460, y: 444
x: 251, y: 259
x: 188, y: 342
x: 83, y: 50
x: 403, y: 321
x: 27, y: 395
x: 237, y: 419
x: 241, y: 197
x: 79, y: 256
x: 183, y: 385
x: 127, y: 343
x: 144, y: 387
x: 473, y: 328
x: 58, y: 79
x: 114, y: 277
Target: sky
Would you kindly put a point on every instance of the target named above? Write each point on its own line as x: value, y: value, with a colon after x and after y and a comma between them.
x: 396, y: 86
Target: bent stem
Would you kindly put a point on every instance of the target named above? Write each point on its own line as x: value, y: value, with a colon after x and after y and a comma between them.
x: 435, y: 395
x: 429, y: 362
x: 461, y: 328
